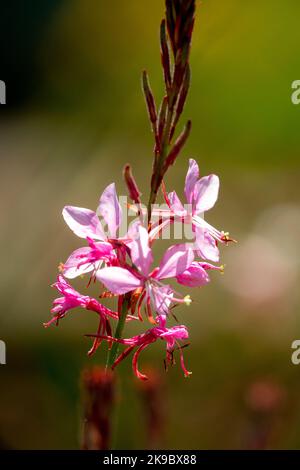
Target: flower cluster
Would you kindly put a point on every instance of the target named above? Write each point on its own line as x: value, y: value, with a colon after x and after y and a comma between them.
x: 124, y: 265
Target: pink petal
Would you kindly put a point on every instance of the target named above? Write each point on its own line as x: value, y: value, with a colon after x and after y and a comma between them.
x: 176, y: 260
x: 206, y: 245
x: 206, y: 193
x: 162, y: 299
x: 110, y: 209
x: 132, y: 232
x: 141, y: 253
x: 175, y: 203
x: 208, y: 266
x: 83, y: 222
x: 178, y: 332
x: 71, y: 269
x: 190, y: 180
x: 118, y: 280
x: 194, y: 276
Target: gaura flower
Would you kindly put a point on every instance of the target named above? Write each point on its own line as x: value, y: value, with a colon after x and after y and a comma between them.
x: 201, y: 195
x: 125, y: 264
x: 196, y: 274
x: 172, y: 336
x: 129, y: 262
x: 88, y: 258
x: 71, y: 299
x: 85, y: 223
x: 139, y: 277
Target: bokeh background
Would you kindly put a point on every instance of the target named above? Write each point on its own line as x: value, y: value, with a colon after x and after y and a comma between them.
x: 75, y: 115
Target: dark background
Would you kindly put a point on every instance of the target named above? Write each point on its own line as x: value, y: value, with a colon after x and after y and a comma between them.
x: 74, y: 116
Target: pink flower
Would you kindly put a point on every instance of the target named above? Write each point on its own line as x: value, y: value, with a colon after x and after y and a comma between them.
x: 196, y: 274
x: 201, y: 195
x: 172, y: 336
x: 88, y: 258
x: 121, y: 280
x: 86, y: 224
x: 71, y: 299
x: 124, y: 264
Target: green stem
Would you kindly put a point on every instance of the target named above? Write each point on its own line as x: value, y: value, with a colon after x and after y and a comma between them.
x: 113, y: 352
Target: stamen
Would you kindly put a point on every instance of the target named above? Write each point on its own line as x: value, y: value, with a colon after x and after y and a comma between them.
x: 149, y: 312
x: 187, y: 373
x: 139, y: 306
x: 226, y: 238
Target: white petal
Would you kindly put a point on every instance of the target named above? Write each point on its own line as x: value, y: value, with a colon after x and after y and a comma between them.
x: 206, y: 193
x: 83, y: 222
x: 110, y: 209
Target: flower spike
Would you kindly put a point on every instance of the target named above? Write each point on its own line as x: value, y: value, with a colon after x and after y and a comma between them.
x: 123, y: 266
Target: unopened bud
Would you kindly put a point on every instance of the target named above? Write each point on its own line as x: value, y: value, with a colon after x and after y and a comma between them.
x: 178, y: 145
x: 133, y: 189
x: 181, y: 100
x: 162, y: 117
x: 149, y: 97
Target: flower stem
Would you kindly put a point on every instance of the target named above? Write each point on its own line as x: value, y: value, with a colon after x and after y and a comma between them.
x: 113, y: 352
x: 159, y: 165
x: 175, y: 34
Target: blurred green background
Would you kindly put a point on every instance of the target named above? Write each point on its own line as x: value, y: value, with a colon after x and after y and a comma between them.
x: 75, y: 115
